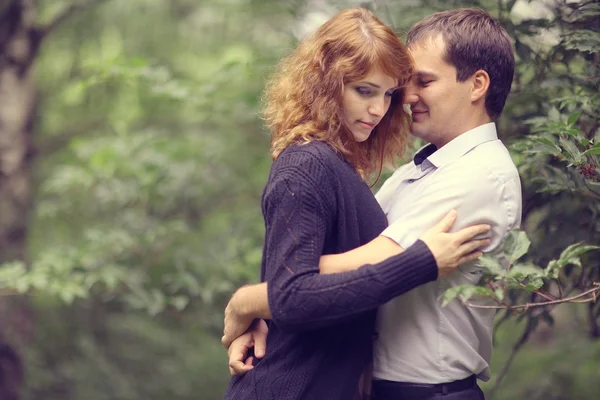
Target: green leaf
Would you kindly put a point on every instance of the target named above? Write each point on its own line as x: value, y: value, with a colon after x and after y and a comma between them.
x: 547, y: 146
x: 11, y: 272
x: 544, y: 140
x: 534, y: 284
x: 573, y: 153
x: 575, y: 250
x: 554, y: 114
x: 67, y: 296
x: 466, y: 292
x: 522, y: 271
x: 574, y: 133
x: 574, y: 117
x: 451, y: 294
x: 499, y: 292
x: 569, y: 256
x: 553, y: 269
x: 179, y: 302
x: 492, y: 264
x: 584, y: 40
x: 516, y: 245
x: 593, y: 150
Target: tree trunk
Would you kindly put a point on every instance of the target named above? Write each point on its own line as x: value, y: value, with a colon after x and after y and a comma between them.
x: 18, y: 47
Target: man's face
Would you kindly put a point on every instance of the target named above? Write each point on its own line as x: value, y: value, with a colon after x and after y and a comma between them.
x: 440, y: 104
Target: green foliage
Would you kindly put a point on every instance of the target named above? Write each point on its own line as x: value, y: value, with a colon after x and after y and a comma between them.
x: 151, y: 157
x: 503, y: 273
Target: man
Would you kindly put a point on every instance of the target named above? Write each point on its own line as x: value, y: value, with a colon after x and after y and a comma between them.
x: 464, y: 69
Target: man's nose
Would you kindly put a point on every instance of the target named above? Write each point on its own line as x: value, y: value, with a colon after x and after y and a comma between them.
x: 410, y: 95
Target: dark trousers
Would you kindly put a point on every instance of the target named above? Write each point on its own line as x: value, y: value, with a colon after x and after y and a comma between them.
x: 465, y: 389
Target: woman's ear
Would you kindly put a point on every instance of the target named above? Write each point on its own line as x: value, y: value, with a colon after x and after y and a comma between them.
x: 481, y: 83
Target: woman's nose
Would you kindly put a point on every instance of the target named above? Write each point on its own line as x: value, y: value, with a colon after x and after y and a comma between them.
x: 377, y: 108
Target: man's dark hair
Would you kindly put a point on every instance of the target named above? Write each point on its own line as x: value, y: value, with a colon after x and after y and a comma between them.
x: 474, y: 41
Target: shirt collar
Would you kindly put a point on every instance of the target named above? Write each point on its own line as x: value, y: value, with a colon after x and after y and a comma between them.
x: 463, y: 143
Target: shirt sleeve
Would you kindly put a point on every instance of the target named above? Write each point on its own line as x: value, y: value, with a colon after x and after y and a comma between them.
x: 477, y: 193
x: 297, y: 222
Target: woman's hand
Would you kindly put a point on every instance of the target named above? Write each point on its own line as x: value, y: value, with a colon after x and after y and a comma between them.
x: 255, y: 339
x: 453, y: 249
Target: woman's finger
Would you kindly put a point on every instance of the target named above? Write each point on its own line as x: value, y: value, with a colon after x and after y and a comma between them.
x: 470, y: 232
x: 446, y: 223
x: 473, y: 245
x: 470, y: 257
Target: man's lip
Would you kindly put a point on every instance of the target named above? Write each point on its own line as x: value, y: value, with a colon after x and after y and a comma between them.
x: 418, y: 111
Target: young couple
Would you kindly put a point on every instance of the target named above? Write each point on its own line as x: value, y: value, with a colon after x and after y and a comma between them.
x: 351, y: 280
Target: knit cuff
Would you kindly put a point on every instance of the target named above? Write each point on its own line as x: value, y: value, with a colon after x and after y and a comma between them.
x: 410, y: 269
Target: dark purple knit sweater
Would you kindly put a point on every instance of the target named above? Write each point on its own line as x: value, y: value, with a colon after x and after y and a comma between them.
x: 320, y: 337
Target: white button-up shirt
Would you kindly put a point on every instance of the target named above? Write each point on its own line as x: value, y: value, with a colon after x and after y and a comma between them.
x: 419, y: 341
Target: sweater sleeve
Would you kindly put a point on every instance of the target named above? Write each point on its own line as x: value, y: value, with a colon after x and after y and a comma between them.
x: 297, y: 221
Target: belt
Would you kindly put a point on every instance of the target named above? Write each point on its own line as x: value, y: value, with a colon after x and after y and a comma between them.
x: 384, y: 390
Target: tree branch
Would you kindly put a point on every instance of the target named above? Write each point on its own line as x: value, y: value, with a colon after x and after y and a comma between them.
x: 593, y: 292
x: 65, y: 14
x: 539, y: 293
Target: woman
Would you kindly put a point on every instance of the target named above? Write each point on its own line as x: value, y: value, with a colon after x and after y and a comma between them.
x: 335, y: 110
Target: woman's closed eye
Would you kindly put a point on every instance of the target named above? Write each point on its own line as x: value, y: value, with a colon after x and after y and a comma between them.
x: 363, y: 90
x: 368, y: 92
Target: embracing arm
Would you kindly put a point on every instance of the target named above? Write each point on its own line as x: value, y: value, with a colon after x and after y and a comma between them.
x: 449, y: 250
x: 252, y: 301
x: 377, y: 250
x: 299, y: 214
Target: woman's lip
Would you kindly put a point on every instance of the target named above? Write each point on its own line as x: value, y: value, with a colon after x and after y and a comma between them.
x: 366, y: 124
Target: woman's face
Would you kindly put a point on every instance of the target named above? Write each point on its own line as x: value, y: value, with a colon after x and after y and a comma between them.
x: 366, y: 101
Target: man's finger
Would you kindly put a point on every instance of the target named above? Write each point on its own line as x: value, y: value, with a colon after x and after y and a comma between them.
x: 249, y: 361
x: 239, y: 368
x: 239, y: 351
x: 447, y: 222
x: 226, y: 341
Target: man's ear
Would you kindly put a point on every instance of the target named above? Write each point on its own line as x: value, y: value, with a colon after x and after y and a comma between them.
x: 481, y: 83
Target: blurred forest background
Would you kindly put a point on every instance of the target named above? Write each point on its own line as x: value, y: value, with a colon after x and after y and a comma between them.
x: 132, y: 160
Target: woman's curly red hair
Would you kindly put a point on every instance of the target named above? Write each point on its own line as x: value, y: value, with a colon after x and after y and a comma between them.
x: 303, y: 98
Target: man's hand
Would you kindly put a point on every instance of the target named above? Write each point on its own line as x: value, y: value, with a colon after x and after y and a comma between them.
x: 256, y: 336
x: 247, y: 303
